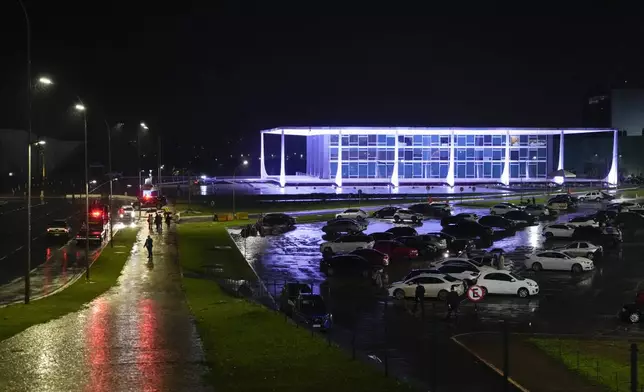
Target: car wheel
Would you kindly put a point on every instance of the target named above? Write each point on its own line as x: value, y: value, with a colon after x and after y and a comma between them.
x: 414, y: 219
x: 338, y: 216
x: 576, y: 269
x: 396, y: 218
x: 523, y: 292
x: 597, y: 199
x: 327, y: 254
x: 360, y: 218
x: 590, y: 256
x: 634, y: 317
x: 549, y: 235
x: 492, y: 212
x: 399, y: 294
x: 536, y: 267
x: 442, y: 295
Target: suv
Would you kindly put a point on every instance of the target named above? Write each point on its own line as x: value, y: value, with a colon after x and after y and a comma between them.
x: 343, y: 226
x: 59, y: 228
x: 407, y: 215
x: 346, y: 244
x: 582, y: 249
x: 596, y: 196
x: 432, y: 210
x: 353, y: 213
x: 275, y: 223
x: 311, y: 311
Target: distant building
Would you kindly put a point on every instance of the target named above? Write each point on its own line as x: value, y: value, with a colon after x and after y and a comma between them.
x: 621, y: 109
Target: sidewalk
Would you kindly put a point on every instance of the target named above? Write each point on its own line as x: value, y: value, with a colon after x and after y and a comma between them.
x: 139, y: 336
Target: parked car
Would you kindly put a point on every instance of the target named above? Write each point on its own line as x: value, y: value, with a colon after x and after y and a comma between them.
x: 396, y: 250
x: 559, y: 261
x: 629, y: 221
x: 506, y: 282
x: 624, y: 207
x: 345, y: 244
x: 407, y: 215
x: 424, y: 249
x: 560, y: 230
x: 435, y: 240
x: 588, y: 220
x: 502, y: 209
x: 343, y: 226
x: 448, y: 220
x: 605, y: 216
x: 460, y: 245
x: 537, y: 210
x: 596, y: 196
x: 311, y: 310
x: 353, y: 213
x: 432, y: 210
x: 582, y: 248
x: 488, y: 259
x: 520, y: 218
x: 563, y: 203
x: 348, y: 264
x: 385, y: 212
x: 462, y: 268
x: 605, y: 236
x: 468, y: 229
x: 59, y: 228
x: 436, y: 286
x: 497, y: 221
x: 632, y: 312
x: 375, y: 257
x: 288, y: 295
x: 382, y: 236
x: 402, y: 231
x: 275, y: 223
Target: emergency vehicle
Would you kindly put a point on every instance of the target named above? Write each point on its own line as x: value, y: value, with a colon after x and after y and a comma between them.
x: 99, y: 219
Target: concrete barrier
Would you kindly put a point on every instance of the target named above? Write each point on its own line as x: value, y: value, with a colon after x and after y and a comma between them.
x: 242, y: 215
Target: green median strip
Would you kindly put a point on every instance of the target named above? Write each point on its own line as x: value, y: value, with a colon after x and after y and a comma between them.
x: 105, y: 271
x: 602, y: 362
x: 251, y: 348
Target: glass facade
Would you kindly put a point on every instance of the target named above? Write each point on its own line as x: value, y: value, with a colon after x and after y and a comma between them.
x: 427, y: 156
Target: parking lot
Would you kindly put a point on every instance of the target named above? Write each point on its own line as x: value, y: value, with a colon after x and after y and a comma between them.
x: 567, y: 303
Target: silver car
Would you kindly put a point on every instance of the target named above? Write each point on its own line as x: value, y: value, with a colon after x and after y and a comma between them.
x: 582, y: 249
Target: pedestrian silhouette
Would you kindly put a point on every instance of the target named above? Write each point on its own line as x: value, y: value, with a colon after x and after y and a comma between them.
x: 453, y: 301
x: 148, y: 245
x: 419, y: 298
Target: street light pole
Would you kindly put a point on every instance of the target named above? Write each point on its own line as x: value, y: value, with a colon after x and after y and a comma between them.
x: 109, y: 164
x: 81, y: 107
x: 244, y: 163
x: 138, y: 149
x: 28, y: 264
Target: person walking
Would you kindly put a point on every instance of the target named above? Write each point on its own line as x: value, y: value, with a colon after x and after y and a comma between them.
x: 148, y: 245
x: 158, y: 222
x: 168, y: 218
x: 453, y: 301
x: 419, y: 297
x: 150, y: 222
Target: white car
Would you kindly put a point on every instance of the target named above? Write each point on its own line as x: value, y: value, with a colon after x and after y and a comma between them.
x: 436, y: 286
x: 561, y: 230
x: 582, y: 248
x: 407, y: 215
x: 537, y: 210
x: 461, y: 268
x: 345, y: 244
x: 505, y: 282
x: 559, y: 261
x: 352, y: 213
x: 624, y: 207
x: 127, y: 212
x: 467, y: 216
x: 583, y: 221
x: 501, y: 209
x: 595, y: 196
x: 444, y: 206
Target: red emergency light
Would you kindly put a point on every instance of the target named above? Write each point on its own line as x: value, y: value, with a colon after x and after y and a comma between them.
x: 97, y: 213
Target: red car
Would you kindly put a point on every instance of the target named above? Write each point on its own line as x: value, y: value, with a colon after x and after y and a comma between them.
x: 395, y: 249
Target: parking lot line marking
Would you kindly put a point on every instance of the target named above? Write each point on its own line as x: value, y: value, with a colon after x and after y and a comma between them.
x: 3, y: 257
x: 490, y: 365
x: 17, y: 249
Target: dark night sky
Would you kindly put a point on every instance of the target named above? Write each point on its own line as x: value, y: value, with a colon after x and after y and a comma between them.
x: 206, y: 72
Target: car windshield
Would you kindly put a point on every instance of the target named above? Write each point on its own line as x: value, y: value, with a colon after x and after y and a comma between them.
x: 515, y: 276
x: 127, y: 208
x: 313, y: 305
x: 450, y: 278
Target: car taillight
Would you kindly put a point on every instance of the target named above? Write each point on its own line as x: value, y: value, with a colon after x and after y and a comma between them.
x: 413, y: 253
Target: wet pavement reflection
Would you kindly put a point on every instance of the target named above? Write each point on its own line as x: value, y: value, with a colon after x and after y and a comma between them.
x: 136, y: 337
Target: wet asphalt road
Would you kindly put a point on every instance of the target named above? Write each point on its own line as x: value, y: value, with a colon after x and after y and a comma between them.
x: 139, y: 336
x: 13, y: 231
x: 585, y: 304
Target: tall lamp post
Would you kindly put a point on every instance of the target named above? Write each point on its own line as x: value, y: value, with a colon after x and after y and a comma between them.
x: 244, y: 163
x: 81, y: 108
x: 28, y: 266
x: 138, y: 149
x: 111, y: 174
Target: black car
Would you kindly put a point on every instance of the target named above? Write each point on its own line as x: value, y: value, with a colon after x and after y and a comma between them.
x: 497, y: 221
x: 424, y: 249
x: 605, y: 216
x: 347, y: 264
x: 605, y: 236
x: 311, y: 311
x: 275, y: 223
x: 431, y: 210
x: 59, y: 228
x: 520, y: 218
x: 460, y: 245
x: 402, y: 231
x: 449, y: 220
x: 386, y: 212
x: 468, y: 229
x: 374, y: 257
x: 629, y: 221
x: 383, y: 236
x: 290, y: 292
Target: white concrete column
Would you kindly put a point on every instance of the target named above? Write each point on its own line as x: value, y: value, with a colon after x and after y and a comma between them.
x: 283, y: 163
x: 450, y: 171
x: 613, y: 175
x: 560, y: 179
x: 338, y: 173
x: 262, y: 167
x: 505, y: 175
x: 394, y: 173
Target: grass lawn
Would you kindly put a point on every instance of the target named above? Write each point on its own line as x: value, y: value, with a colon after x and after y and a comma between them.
x: 250, y: 348
x: 493, y: 202
x: 105, y: 271
x: 631, y: 193
x: 604, y: 362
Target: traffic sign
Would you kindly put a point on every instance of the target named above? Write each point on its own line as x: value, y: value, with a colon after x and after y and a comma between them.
x: 475, y: 293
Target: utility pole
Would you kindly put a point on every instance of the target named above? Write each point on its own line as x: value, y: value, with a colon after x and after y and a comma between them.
x: 111, y: 175
x: 159, y: 171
